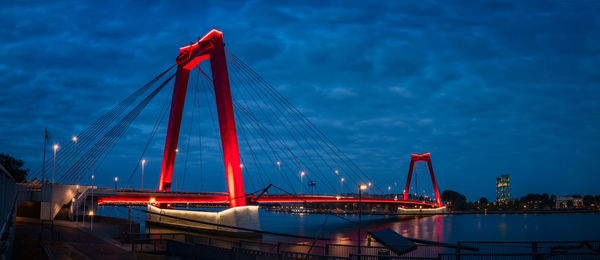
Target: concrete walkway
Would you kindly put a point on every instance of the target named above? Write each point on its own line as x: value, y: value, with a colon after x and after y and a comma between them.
x: 75, y: 242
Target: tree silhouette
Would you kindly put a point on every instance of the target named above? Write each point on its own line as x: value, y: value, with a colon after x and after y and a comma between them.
x: 14, y: 167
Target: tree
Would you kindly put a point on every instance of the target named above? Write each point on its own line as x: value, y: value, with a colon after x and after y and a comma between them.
x: 14, y: 167
x: 457, y: 200
x: 588, y: 200
x: 483, y: 201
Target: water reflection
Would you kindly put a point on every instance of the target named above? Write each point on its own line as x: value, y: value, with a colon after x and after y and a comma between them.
x: 443, y: 228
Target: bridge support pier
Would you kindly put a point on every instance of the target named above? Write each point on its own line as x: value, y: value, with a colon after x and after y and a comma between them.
x: 243, y: 216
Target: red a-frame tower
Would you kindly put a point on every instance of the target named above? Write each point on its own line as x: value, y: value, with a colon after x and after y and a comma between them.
x: 209, y: 47
x: 426, y: 158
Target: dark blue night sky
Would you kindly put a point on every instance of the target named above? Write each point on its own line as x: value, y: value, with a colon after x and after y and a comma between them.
x: 487, y: 87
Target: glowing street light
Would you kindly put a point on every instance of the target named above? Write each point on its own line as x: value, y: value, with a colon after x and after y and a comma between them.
x: 175, y: 169
x: 74, y: 139
x: 302, y: 173
x: 116, y: 180
x: 91, y: 213
x: 241, y: 165
x: 54, y: 147
x: 143, y: 163
x: 342, y: 185
x: 361, y: 187
x: 92, y: 206
x: 279, y: 174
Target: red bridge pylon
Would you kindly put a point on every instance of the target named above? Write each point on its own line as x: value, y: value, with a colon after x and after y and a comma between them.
x: 209, y: 47
x: 425, y: 158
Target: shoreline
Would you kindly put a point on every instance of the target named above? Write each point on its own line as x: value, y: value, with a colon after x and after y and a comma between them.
x: 572, y: 211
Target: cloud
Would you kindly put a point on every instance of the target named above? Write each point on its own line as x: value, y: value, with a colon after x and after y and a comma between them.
x: 478, y: 85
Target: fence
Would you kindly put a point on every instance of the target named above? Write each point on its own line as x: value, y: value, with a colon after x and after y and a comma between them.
x: 8, y: 210
x: 167, y: 242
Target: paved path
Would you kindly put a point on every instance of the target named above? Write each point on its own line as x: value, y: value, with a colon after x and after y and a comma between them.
x: 75, y: 242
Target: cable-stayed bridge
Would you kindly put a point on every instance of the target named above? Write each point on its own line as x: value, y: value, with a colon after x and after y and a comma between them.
x: 265, y: 144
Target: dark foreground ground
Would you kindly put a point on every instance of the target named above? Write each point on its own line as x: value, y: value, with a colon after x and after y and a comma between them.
x: 69, y: 241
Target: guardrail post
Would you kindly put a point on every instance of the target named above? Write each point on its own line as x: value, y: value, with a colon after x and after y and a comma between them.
x: 534, y: 248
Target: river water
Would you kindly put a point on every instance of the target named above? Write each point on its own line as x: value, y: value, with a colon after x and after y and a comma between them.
x: 442, y: 228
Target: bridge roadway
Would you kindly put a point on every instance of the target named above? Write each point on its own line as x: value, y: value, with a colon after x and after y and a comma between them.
x: 108, y: 196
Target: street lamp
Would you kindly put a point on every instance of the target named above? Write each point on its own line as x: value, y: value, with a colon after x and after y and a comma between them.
x: 76, y: 209
x: 143, y: 163
x: 361, y: 187
x: 116, y: 180
x: 279, y: 174
x: 175, y: 168
x: 54, y: 147
x: 301, y: 175
x: 75, y: 155
x: 91, y: 220
x: 92, y: 206
x: 390, y: 190
x: 342, y: 185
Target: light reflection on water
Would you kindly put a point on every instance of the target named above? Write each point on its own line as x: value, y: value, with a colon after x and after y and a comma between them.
x: 443, y: 228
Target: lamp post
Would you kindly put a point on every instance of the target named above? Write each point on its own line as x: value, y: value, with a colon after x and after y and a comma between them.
x: 279, y: 174
x: 390, y: 190
x: 91, y: 220
x: 92, y: 206
x: 54, y: 147
x: 342, y: 185
x: 75, y: 155
x: 116, y: 180
x: 175, y: 168
x: 301, y: 175
x: 143, y: 163
x: 361, y: 187
x: 76, y: 209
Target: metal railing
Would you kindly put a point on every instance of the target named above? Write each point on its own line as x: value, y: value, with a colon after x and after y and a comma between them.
x: 157, y: 242
x: 8, y: 210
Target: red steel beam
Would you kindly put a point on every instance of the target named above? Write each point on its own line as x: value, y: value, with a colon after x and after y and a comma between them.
x: 219, y: 199
x: 425, y: 158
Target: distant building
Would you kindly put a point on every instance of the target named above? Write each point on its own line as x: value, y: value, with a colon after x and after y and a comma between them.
x: 503, y: 188
x: 563, y: 202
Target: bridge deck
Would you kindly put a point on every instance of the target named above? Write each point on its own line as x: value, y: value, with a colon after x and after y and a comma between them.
x: 143, y: 197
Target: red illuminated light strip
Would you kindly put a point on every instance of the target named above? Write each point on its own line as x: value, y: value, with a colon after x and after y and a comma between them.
x: 132, y: 199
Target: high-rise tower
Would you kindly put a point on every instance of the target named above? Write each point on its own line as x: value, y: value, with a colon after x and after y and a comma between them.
x: 503, y: 188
